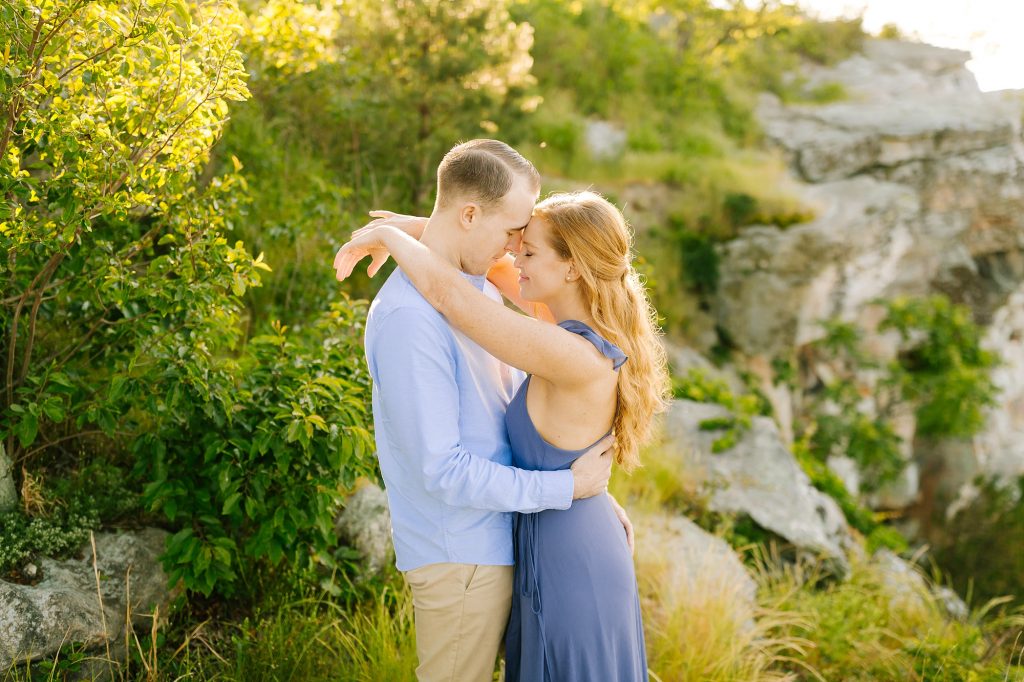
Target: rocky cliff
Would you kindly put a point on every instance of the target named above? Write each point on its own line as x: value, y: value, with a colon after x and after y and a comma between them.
x: 916, y: 179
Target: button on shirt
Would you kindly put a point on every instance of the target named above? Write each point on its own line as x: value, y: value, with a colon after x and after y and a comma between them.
x: 439, y: 404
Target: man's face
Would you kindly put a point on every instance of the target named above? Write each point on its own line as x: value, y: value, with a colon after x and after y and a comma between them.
x: 500, y: 228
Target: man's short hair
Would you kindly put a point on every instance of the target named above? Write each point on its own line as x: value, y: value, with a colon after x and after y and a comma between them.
x: 482, y: 171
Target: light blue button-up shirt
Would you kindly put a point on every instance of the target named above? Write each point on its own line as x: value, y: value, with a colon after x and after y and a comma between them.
x: 439, y: 404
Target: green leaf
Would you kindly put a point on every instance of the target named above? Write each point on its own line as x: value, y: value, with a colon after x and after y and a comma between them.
x: 231, y: 503
x: 27, y: 429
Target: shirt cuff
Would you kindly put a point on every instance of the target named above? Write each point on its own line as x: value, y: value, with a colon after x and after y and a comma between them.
x: 557, y: 489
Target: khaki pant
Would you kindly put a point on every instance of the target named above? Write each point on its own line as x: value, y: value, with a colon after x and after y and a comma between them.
x: 461, y: 614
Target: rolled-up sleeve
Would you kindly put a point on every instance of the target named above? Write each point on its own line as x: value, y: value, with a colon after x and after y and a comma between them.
x: 413, y: 363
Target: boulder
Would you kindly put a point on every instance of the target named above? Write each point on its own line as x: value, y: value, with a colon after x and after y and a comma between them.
x: 760, y: 477
x: 68, y: 606
x: 604, y: 140
x: 909, y: 589
x: 695, y: 566
x: 365, y: 523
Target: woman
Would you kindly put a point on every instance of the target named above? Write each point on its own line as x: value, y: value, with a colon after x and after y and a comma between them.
x: 599, y: 369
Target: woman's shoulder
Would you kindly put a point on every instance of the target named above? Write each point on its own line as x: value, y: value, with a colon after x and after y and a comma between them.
x: 603, y: 345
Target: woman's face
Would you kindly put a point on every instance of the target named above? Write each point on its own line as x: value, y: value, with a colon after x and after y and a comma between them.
x: 541, y: 272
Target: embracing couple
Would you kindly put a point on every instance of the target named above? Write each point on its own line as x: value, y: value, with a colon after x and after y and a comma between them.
x: 496, y: 430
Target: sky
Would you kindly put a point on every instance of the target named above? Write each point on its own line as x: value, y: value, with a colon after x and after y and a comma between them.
x: 992, y: 30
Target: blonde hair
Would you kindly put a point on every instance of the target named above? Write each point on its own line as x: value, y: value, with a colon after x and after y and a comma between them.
x: 482, y: 170
x: 592, y: 232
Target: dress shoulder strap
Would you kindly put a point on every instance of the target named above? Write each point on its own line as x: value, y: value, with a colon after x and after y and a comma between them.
x: 607, y: 348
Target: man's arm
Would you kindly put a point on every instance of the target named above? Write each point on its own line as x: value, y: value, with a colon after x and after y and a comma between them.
x: 415, y: 375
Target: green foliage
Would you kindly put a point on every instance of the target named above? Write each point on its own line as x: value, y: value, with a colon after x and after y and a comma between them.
x: 837, y: 421
x: 945, y: 371
x: 66, y: 664
x: 296, y: 633
x: 426, y: 74
x: 891, y: 32
x: 111, y: 247
x: 58, y: 534
x: 254, y: 457
x: 317, y: 638
x: 978, y: 553
x: 739, y: 207
x: 868, y: 441
x: 824, y: 42
x: 699, y: 387
x: 857, y: 515
x: 773, y: 61
x: 699, y: 261
x: 353, y: 106
x: 827, y: 92
x: 63, y: 513
x: 862, y: 630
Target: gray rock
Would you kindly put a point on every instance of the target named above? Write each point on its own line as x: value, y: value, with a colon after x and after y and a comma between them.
x: 902, y: 580
x: 777, y: 285
x: 954, y: 606
x: 365, y: 522
x: 604, y: 140
x: 760, y: 477
x: 697, y: 565
x: 64, y: 607
x: 846, y: 469
x: 900, y: 493
x: 908, y: 586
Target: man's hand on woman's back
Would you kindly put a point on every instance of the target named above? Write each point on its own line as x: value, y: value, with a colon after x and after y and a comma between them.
x: 593, y: 469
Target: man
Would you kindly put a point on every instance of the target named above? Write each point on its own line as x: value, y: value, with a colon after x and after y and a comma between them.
x: 439, y: 404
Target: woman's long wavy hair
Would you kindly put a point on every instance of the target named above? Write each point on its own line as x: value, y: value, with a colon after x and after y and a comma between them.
x: 590, y: 231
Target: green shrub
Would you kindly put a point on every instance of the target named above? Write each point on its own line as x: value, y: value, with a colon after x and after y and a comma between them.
x: 860, y: 631
x: 64, y: 513
x: 699, y: 387
x: 944, y: 370
x: 255, y: 455
x: 56, y: 535
x: 699, y: 260
x: 296, y: 634
x: 739, y: 207
x: 112, y: 252
x: 858, y: 516
x: 982, y: 549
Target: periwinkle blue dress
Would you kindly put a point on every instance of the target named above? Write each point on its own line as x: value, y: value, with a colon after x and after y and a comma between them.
x: 575, y: 605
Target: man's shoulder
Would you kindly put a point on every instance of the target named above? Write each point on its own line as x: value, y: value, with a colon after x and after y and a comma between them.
x: 398, y: 301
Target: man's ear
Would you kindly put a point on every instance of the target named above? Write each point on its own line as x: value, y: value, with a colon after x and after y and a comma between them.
x: 469, y: 216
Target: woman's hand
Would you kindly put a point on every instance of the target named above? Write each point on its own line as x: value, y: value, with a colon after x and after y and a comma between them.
x: 412, y: 225
x: 409, y: 224
x: 367, y: 241
x: 627, y: 525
